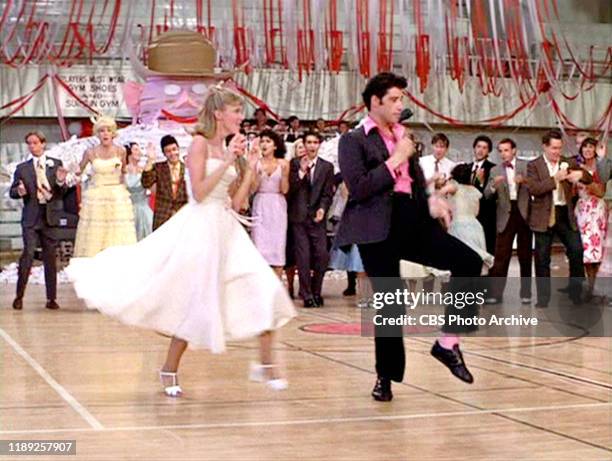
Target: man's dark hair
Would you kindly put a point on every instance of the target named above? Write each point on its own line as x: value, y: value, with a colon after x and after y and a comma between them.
x: 380, y: 84
x: 292, y: 118
x: 483, y: 138
x: 312, y: 133
x: 440, y: 137
x: 167, y: 140
x: 508, y: 141
x: 552, y: 134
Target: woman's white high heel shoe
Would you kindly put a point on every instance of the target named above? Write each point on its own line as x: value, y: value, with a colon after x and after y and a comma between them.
x: 259, y: 373
x: 174, y: 390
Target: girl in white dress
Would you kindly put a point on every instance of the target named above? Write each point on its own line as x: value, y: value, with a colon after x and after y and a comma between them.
x: 198, y: 278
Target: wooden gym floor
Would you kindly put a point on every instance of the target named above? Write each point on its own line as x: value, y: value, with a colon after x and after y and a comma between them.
x: 73, y: 374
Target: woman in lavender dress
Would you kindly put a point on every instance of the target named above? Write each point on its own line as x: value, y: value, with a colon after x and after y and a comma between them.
x: 270, y: 185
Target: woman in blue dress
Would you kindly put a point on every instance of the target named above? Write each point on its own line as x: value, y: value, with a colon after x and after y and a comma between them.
x: 143, y: 215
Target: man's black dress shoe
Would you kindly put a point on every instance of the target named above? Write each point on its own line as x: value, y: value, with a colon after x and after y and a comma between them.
x: 18, y: 304
x: 453, y: 359
x: 319, y: 300
x: 382, y: 390
x: 51, y: 304
x: 309, y: 303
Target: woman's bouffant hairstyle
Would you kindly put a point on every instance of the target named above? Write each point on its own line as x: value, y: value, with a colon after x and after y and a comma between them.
x: 216, y: 99
x: 105, y: 121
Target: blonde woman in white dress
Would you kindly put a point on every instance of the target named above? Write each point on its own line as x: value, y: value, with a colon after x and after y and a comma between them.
x: 198, y: 278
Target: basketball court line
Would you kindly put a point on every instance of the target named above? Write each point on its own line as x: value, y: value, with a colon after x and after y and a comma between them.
x: 57, y: 387
x: 544, y: 370
x: 466, y: 404
x: 298, y: 422
x: 541, y: 369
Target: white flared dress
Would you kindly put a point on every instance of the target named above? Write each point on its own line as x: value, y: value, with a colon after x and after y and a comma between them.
x: 465, y: 226
x: 198, y: 277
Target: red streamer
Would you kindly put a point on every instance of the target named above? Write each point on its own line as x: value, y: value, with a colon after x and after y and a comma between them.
x: 5, y: 118
x: 494, y: 121
x: 258, y: 102
x: 178, y: 119
x: 34, y: 90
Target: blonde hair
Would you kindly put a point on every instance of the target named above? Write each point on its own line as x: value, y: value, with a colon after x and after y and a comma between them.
x: 105, y: 121
x: 216, y: 99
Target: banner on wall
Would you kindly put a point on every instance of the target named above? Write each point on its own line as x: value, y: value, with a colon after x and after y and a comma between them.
x: 82, y: 90
x: 102, y: 92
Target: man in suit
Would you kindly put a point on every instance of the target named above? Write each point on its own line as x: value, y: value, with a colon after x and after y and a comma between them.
x: 508, y: 186
x: 481, y: 171
x: 294, y: 131
x: 390, y: 217
x: 550, y: 179
x: 169, y: 178
x: 311, y: 181
x: 40, y: 182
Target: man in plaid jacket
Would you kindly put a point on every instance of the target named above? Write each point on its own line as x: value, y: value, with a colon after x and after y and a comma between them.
x: 169, y: 177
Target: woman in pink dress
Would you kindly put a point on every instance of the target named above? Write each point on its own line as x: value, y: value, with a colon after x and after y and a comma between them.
x: 592, y: 214
x: 270, y: 185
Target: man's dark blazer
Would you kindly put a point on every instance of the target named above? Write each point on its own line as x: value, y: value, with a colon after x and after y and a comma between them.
x: 501, y: 194
x: 541, y: 186
x: 367, y: 216
x: 487, y: 206
x: 486, y: 213
x: 304, y: 199
x: 32, y: 211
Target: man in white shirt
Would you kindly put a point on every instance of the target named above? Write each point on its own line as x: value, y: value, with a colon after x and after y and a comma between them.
x: 437, y: 167
x: 508, y: 186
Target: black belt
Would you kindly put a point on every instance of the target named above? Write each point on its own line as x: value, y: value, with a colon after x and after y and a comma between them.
x: 402, y: 196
